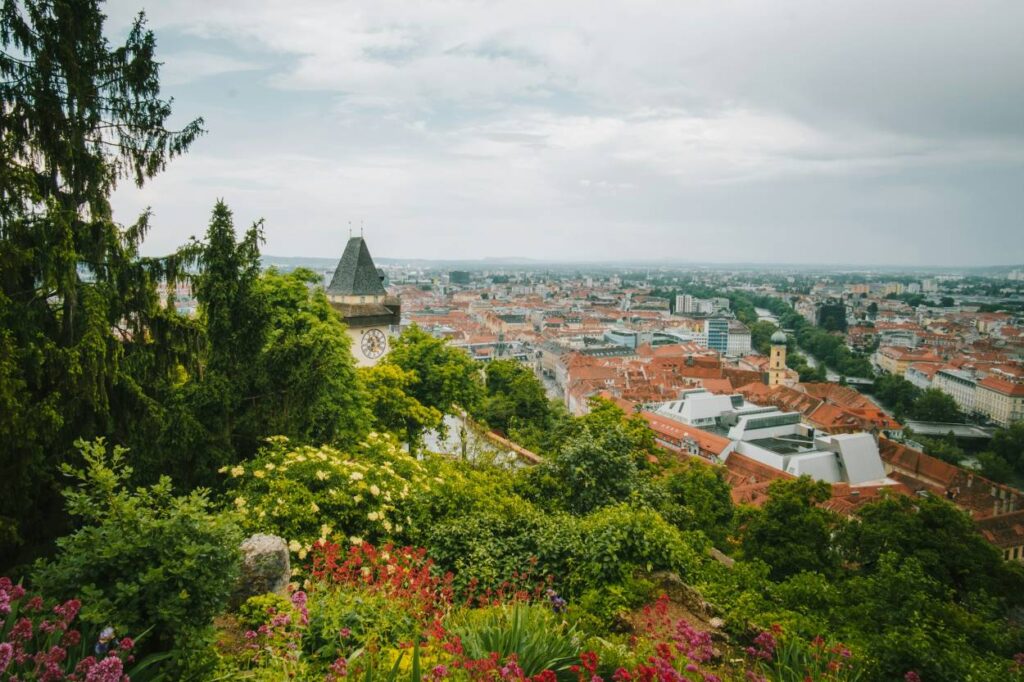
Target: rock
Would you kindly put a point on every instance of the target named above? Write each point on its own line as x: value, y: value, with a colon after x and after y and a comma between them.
x: 265, y: 567
x: 683, y: 594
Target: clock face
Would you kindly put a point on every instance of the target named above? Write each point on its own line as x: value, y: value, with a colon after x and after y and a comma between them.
x: 374, y: 344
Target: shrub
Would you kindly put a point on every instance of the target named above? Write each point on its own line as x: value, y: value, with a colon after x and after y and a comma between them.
x: 488, y: 547
x: 617, y: 541
x: 537, y: 638
x: 306, y: 494
x: 260, y: 610
x: 144, y: 558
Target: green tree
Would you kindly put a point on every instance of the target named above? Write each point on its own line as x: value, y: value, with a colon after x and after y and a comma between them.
x: 940, y: 537
x: 234, y: 315
x: 791, y: 533
x: 596, y: 469
x: 76, y: 302
x: 306, y: 384
x: 699, y: 499
x: 761, y: 334
x: 393, y: 408
x: 518, y: 393
x: 932, y: 405
x: 446, y: 377
x: 1008, y: 445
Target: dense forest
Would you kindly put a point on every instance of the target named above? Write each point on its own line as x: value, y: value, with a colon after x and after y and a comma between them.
x: 139, y: 447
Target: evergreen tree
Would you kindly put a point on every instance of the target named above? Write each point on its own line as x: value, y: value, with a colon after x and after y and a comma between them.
x: 77, y: 305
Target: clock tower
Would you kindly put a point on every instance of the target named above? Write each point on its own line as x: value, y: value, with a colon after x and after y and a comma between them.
x: 357, y: 292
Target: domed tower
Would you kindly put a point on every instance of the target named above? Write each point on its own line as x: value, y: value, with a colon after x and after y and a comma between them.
x: 777, y: 359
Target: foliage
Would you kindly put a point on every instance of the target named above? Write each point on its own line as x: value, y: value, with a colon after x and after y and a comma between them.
x: 275, y: 360
x: 394, y: 409
x: 515, y: 402
x: 83, y: 335
x: 1003, y: 461
x: 600, y: 461
x: 935, y: 406
x: 42, y: 641
x: 259, y: 609
x: 940, y: 537
x: 605, y: 608
x: 791, y: 533
x: 620, y: 540
x: 698, y: 498
x: 142, y: 558
x: 272, y: 649
x: 908, y: 401
x: 596, y: 469
x: 832, y: 316
x: 306, y: 494
x: 537, y: 638
x: 506, y: 539
x: 445, y: 377
x: 790, y: 659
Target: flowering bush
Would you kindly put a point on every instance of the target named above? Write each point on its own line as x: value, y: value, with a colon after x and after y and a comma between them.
x: 310, y: 494
x: 273, y: 648
x: 39, y: 641
x: 790, y: 659
x: 402, y: 574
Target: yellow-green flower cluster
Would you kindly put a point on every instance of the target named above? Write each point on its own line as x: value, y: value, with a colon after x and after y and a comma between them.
x: 305, y: 494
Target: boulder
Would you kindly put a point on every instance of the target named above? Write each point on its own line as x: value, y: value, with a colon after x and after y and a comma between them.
x: 265, y: 567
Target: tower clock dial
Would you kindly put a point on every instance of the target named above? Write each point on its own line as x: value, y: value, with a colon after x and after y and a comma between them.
x: 374, y: 343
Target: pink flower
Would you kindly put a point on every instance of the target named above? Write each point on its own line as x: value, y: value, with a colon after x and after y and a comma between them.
x: 6, y: 654
x: 912, y: 676
x: 127, y: 643
x: 22, y: 630
x: 438, y: 672
x: 68, y: 610
x: 110, y: 669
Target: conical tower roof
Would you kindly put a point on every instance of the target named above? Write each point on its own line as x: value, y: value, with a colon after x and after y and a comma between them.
x: 356, y: 275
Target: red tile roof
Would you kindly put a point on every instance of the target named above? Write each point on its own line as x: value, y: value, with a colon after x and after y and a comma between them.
x: 994, y: 383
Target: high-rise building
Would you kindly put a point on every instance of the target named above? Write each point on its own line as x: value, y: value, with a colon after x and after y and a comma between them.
x: 716, y: 331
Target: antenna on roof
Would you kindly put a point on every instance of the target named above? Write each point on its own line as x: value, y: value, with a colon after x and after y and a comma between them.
x: 360, y: 229
x: 350, y: 229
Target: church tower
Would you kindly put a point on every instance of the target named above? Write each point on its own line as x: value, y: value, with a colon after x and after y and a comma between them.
x: 357, y: 292
x: 777, y: 359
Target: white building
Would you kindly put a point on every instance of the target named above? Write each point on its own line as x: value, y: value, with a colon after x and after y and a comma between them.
x: 958, y: 384
x: 738, y: 343
x: 779, y: 439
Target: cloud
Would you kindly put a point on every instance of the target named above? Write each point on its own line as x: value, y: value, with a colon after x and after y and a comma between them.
x: 189, y: 66
x: 562, y: 121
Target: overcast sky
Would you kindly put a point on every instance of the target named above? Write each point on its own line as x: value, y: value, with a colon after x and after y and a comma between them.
x: 863, y: 131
